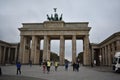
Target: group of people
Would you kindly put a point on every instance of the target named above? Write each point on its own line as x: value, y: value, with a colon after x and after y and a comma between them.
x: 76, y: 66
x: 47, y: 65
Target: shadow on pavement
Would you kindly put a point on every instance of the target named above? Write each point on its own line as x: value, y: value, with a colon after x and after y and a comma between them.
x: 18, y: 77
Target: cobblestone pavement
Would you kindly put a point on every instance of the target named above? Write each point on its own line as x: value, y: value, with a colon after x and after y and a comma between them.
x: 35, y: 73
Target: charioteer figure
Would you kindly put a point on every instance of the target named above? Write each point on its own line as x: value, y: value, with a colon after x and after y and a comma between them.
x: 55, y: 17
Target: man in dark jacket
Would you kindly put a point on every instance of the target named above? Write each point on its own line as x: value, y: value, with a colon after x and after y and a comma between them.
x: 18, y: 65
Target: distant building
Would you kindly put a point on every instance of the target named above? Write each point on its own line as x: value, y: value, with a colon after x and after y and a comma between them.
x: 8, y: 52
x: 104, y: 52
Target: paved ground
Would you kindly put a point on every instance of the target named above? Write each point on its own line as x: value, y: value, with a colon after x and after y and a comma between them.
x: 13, y: 77
x: 36, y: 73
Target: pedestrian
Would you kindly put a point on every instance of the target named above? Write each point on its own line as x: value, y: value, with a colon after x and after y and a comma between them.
x: 66, y: 65
x: 18, y: 65
x: 74, y: 66
x: 44, y: 66
x: 48, y: 66
x: 77, y: 66
x: 56, y: 65
x: 30, y: 62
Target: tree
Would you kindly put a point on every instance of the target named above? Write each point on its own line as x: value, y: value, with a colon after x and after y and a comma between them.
x: 80, y: 57
x: 53, y: 56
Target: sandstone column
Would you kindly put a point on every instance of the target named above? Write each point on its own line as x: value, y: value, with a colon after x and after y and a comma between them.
x: 8, y: 59
x: 37, y: 50
x: 3, y: 61
x: 25, y: 54
x: 16, y: 52
x: 48, y: 48
x: 118, y: 45
x: 22, y: 48
x: 86, y: 55
x: 92, y: 56
x: 62, y: 50
x: 103, y: 55
x: 73, y: 48
x: 33, y: 49
x: 109, y: 56
x: 45, y: 48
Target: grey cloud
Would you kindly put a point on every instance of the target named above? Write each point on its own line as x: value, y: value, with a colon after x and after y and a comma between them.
x: 103, y: 16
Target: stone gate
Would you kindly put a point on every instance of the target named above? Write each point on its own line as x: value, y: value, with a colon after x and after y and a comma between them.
x: 55, y: 28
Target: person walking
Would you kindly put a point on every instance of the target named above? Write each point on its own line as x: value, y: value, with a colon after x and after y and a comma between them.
x: 66, y: 65
x: 44, y: 66
x: 77, y: 66
x: 56, y: 65
x: 30, y: 62
x: 48, y: 66
x: 74, y: 66
x: 18, y: 65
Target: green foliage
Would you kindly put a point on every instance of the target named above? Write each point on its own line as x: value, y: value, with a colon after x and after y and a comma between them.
x: 53, y: 56
x: 80, y: 56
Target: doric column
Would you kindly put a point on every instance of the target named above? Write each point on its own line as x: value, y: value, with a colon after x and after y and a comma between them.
x: 118, y: 45
x: 3, y: 61
x: 73, y: 48
x: 22, y: 48
x: 113, y: 48
x: 25, y: 54
x: 86, y: 55
x: 45, y: 48
x: 48, y: 48
x: 92, y: 56
x: 16, y: 53
x: 105, y: 55
x: 109, y: 56
x: 8, y: 59
x: 37, y: 50
x: 102, y: 56
x: 62, y: 50
x: 33, y: 49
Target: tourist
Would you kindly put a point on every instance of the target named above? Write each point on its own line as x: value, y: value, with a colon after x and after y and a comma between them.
x: 18, y: 65
x: 48, y: 66
x: 77, y: 66
x: 74, y: 66
x: 66, y: 65
x: 30, y: 62
x: 44, y: 66
x: 56, y: 66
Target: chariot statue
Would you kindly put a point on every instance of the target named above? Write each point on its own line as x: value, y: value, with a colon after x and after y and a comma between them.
x: 55, y: 17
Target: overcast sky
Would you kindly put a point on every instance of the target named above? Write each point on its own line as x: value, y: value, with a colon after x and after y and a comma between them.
x: 103, y: 16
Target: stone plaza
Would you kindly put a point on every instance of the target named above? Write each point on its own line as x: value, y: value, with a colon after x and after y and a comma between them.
x: 35, y: 73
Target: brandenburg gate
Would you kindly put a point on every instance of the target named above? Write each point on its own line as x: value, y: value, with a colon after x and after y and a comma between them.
x: 54, y: 28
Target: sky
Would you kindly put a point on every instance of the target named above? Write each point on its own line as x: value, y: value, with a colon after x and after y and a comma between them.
x: 103, y: 17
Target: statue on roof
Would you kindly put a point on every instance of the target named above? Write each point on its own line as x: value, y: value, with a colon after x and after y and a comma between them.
x: 55, y: 17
